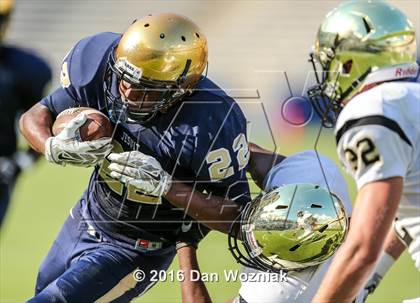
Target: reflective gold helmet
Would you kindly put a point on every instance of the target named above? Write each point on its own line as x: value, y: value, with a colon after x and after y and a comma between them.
x: 165, y: 53
x: 6, y: 7
x: 289, y: 228
x: 359, y: 43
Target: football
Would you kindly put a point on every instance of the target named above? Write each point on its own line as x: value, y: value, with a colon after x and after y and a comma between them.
x: 96, y: 127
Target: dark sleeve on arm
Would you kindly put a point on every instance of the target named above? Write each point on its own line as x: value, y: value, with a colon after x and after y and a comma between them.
x: 235, y: 188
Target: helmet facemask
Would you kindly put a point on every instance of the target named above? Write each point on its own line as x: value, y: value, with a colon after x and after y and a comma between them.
x: 323, y: 95
x: 250, y: 255
x: 163, y: 93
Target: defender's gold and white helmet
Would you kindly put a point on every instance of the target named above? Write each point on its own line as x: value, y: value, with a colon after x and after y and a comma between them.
x: 160, y: 53
x: 289, y: 228
x: 360, y: 43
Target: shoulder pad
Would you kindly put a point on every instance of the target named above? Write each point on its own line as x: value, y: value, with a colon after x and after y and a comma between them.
x: 87, y: 58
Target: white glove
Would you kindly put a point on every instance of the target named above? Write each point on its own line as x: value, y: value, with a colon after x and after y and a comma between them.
x: 140, y: 170
x: 67, y: 147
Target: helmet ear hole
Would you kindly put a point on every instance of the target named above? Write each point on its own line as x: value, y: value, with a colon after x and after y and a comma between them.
x: 347, y: 67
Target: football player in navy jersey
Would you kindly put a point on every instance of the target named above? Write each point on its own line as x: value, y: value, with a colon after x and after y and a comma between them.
x: 165, y: 115
x: 23, y: 78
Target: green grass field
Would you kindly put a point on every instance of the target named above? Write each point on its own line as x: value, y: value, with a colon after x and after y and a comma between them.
x: 42, y: 200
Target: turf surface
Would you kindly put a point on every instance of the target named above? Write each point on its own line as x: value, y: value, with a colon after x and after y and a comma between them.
x: 42, y: 200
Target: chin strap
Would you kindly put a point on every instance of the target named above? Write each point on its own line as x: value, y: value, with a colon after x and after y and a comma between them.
x: 183, y: 77
x: 355, y: 84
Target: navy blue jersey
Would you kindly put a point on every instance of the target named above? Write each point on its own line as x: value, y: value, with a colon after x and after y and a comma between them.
x: 23, y: 77
x: 201, y: 139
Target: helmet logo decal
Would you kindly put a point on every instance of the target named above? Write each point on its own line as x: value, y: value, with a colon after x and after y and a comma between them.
x: 64, y: 75
x: 131, y: 70
x: 401, y: 71
x: 407, y: 72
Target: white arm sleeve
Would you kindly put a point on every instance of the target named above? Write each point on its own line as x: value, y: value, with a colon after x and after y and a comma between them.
x: 374, y: 152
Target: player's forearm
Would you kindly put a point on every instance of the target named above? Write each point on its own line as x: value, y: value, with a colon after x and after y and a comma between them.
x: 352, y: 264
x: 261, y: 162
x: 35, y: 126
x: 350, y: 269
x: 213, y: 211
x: 376, y: 205
x: 192, y: 291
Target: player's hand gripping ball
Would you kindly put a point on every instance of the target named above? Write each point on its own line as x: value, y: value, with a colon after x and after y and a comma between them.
x: 82, y: 137
x: 140, y: 170
x: 97, y: 125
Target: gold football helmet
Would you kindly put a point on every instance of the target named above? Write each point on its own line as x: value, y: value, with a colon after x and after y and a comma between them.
x: 359, y: 43
x: 289, y: 228
x: 6, y: 7
x: 165, y: 53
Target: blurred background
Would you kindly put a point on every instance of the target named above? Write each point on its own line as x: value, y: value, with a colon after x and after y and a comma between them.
x: 258, y: 52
